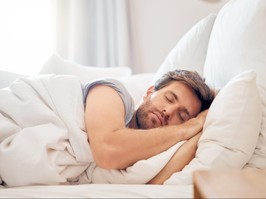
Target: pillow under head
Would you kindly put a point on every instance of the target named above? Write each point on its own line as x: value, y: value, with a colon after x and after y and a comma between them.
x: 231, y: 129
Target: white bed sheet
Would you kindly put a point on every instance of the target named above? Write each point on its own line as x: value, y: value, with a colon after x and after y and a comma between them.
x: 99, y: 191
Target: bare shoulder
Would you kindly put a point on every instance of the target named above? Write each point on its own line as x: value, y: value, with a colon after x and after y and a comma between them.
x: 104, y: 107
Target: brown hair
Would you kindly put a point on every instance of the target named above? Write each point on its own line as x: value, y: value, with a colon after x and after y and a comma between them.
x: 193, y: 80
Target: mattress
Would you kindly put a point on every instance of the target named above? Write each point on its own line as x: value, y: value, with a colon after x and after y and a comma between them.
x: 100, y: 191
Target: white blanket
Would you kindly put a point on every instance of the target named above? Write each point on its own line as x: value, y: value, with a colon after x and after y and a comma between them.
x: 43, y: 138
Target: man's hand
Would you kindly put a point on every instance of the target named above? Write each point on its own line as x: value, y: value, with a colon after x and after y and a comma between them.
x: 194, y: 125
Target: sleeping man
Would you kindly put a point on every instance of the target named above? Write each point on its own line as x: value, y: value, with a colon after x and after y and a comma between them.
x: 44, y: 138
x: 174, y: 109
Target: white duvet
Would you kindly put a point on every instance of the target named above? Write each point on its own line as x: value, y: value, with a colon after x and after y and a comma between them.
x: 43, y: 138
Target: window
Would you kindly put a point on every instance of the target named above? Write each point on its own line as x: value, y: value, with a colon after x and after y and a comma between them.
x: 25, y: 35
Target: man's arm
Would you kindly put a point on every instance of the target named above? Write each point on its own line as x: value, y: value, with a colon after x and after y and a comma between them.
x: 116, y: 147
x: 179, y: 160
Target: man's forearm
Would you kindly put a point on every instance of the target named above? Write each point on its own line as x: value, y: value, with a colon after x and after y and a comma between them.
x: 126, y: 146
x: 179, y: 160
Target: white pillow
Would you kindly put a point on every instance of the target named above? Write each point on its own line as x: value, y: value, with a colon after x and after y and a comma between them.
x: 190, y: 51
x: 238, y: 43
x: 57, y: 65
x: 231, y: 129
x: 6, y: 78
x: 137, y: 85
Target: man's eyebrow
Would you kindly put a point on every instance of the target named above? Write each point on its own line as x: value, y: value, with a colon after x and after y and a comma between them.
x: 184, y: 108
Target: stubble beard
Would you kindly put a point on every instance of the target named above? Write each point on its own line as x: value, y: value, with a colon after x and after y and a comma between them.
x: 142, y: 113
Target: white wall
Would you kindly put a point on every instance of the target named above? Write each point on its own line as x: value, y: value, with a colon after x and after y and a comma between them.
x: 157, y: 25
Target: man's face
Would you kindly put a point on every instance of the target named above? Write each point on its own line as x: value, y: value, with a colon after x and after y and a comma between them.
x: 173, y: 104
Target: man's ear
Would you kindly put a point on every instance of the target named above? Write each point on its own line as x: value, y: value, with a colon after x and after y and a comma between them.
x: 148, y: 92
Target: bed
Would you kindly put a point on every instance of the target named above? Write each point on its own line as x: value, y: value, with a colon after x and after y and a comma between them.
x: 227, y: 48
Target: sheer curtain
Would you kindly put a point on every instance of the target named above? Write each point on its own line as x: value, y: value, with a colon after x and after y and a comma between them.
x: 93, y: 32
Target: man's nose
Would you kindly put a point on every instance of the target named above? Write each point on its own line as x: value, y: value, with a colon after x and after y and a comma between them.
x: 166, y: 115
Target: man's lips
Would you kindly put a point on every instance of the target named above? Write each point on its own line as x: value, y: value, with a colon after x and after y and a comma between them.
x: 159, y: 118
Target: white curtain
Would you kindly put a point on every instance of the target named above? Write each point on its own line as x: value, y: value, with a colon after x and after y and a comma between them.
x: 93, y: 32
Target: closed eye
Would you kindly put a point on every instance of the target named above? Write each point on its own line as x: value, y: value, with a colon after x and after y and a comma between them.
x: 183, y: 115
x: 170, y: 97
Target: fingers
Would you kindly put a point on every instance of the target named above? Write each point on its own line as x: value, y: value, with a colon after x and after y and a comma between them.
x: 203, y: 113
x: 201, y: 117
x: 195, y: 125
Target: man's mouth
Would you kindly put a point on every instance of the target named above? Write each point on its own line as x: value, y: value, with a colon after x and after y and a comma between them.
x: 159, y: 118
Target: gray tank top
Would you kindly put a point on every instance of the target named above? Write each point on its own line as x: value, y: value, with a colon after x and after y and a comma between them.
x: 121, y: 90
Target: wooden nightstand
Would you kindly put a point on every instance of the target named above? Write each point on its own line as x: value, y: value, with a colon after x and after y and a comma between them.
x: 247, y: 183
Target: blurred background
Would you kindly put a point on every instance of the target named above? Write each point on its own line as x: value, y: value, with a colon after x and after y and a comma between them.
x: 100, y: 33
